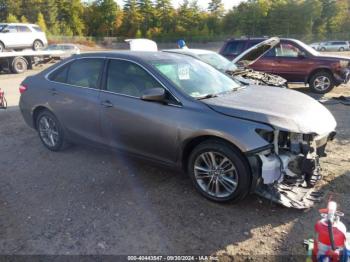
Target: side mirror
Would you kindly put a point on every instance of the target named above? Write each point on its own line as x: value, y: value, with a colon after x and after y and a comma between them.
x: 154, y: 94
x: 301, y: 55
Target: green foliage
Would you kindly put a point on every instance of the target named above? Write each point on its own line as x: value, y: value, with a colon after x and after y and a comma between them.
x: 41, y: 22
x: 8, y: 7
x: 160, y: 20
x: 11, y: 18
x: 306, y: 18
x: 148, y: 15
x: 138, y: 34
x: 24, y: 19
x: 132, y: 18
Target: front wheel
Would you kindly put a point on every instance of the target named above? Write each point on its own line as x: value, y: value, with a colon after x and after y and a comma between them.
x: 50, y: 131
x: 321, y: 82
x: 219, y: 172
x: 341, y: 49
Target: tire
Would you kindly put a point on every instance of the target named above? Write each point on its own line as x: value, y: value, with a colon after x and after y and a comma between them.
x: 341, y: 49
x: 19, y: 65
x: 321, y: 82
x: 238, y: 179
x: 323, y: 49
x: 2, y: 47
x: 50, y: 131
x: 37, y: 45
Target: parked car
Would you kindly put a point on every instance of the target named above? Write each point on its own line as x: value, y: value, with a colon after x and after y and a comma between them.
x: 316, y: 45
x: 20, y: 36
x: 334, y: 46
x: 68, y: 49
x: 297, y: 62
x: 235, y: 69
x: 231, y: 139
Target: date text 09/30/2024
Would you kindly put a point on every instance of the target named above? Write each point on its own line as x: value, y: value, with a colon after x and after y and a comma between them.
x: 172, y: 258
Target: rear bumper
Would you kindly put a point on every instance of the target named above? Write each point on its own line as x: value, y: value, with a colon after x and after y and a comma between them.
x: 26, y: 113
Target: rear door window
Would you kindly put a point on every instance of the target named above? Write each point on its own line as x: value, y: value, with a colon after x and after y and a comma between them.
x: 234, y: 47
x: 23, y: 29
x: 60, y: 75
x: 85, y: 72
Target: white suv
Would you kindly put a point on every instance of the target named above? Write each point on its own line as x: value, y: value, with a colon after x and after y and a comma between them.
x: 20, y: 36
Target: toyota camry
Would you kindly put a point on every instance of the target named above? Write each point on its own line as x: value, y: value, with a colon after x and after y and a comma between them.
x: 231, y: 139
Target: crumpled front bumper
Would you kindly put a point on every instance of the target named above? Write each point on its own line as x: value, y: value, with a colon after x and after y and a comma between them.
x: 343, y: 77
x: 274, y: 175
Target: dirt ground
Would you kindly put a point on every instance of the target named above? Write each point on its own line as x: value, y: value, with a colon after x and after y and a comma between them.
x: 88, y: 201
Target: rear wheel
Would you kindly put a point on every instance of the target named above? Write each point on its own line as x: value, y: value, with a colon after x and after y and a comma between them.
x: 219, y: 172
x: 2, y: 47
x: 323, y: 49
x: 37, y: 45
x: 341, y: 49
x: 50, y: 131
x: 321, y: 82
x: 19, y: 65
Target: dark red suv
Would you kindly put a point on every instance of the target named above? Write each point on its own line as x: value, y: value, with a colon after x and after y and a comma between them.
x: 296, y: 62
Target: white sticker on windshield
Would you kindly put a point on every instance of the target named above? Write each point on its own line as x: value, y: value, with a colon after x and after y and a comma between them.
x: 184, y: 72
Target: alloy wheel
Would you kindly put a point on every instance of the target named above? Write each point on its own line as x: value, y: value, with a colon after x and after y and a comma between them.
x: 322, y: 83
x: 37, y: 45
x: 48, y: 131
x: 215, y: 174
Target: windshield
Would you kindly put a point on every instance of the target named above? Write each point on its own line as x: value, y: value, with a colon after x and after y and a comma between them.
x: 194, y: 77
x: 215, y: 60
x: 307, y: 48
x: 2, y: 27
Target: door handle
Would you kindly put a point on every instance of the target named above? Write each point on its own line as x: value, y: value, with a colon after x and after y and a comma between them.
x: 106, y: 103
x: 54, y: 91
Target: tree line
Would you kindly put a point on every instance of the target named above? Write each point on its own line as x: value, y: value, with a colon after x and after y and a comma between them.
x: 160, y: 19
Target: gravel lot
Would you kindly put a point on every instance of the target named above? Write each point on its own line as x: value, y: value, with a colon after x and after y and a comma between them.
x: 90, y: 201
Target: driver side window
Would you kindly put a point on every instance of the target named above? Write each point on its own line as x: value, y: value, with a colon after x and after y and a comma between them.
x: 127, y: 78
x: 284, y: 50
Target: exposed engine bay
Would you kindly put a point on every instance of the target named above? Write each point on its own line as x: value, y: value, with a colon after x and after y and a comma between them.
x: 291, y: 168
x: 259, y: 78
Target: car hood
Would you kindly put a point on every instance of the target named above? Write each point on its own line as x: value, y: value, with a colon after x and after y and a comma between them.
x: 282, y: 108
x: 333, y: 57
x: 252, y: 54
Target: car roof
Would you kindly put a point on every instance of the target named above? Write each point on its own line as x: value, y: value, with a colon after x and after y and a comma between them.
x: 136, y: 55
x: 258, y: 38
x: 189, y: 51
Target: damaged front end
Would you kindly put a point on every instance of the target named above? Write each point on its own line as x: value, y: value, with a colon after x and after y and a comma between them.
x: 258, y: 78
x: 289, y: 170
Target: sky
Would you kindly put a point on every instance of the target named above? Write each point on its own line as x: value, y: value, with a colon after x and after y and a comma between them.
x: 203, y: 3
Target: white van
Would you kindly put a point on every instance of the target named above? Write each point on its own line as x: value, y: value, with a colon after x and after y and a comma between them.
x: 20, y: 36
